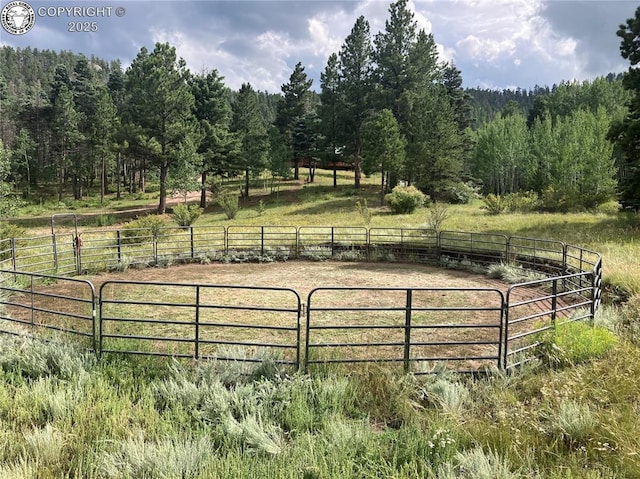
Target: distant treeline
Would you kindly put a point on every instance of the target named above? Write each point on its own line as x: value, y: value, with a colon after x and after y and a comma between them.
x: 386, y: 104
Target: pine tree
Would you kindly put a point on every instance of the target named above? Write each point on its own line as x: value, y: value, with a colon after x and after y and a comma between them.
x: 213, y: 113
x: 627, y: 133
x: 383, y: 148
x: 160, y: 105
x: 355, y: 89
x: 251, y: 133
x: 328, y: 111
x: 295, y: 105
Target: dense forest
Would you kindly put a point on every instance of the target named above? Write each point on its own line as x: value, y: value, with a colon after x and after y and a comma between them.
x: 385, y: 104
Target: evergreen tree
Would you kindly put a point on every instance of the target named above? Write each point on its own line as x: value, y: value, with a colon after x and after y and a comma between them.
x: 355, y: 89
x: 292, y: 108
x: 65, y: 127
x: 103, y: 131
x: 627, y: 132
x: 383, y: 148
x: 251, y: 133
x: 213, y: 113
x: 160, y: 106
x: 329, y: 110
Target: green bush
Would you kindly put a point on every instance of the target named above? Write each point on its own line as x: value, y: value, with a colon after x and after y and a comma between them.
x: 494, y: 204
x: 230, y: 204
x: 455, y: 192
x: 185, y: 215
x: 523, y: 201
x: 143, y: 229
x: 405, y: 199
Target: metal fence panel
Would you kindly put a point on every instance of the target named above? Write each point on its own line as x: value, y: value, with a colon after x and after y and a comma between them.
x: 481, y: 248
x: 199, y: 320
x: 323, y: 242
x: 403, y: 244
x: 31, y: 302
x: 417, y: 328
x: 272, y: 241
x: 538, y: 254
x: 539, y: 306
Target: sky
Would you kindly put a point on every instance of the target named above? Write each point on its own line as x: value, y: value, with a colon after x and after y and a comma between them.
x: 496, y: 44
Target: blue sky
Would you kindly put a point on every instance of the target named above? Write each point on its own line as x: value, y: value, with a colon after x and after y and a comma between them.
x: 495, y: 43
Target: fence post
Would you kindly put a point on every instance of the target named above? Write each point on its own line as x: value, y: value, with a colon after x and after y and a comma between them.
x: 596, y: 281
x: 332, y: 242
x: 262, y: 241
x: 554, y: 301
x: 197, y: 324
x: 33, y: 306
x: 55, y: 251
x: 118, y: 244
x: 155, y: 248
x: 507, y: 251
x: 407, y: 331
x: 12, y: 242
x: 505, y: 328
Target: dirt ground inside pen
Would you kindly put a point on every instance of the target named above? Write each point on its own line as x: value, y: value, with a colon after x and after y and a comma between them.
x: 304, y: 276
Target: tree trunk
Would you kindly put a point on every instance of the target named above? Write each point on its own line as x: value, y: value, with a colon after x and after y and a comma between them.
x: 118, y: 178
x: 246, y: 183
x: 203, y: 190
x: 162, y: 205
x: 296, y: 169
x: 312, y: 171
x: 103, y: 180
x: 382, y: 188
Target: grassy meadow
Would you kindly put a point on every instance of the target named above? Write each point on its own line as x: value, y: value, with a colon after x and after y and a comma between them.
x: 571, y: 414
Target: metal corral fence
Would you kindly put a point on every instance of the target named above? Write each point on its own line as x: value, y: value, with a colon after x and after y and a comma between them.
x: 416, y: 328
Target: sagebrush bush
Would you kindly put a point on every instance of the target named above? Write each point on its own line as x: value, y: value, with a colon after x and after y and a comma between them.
x: 573, y: 422
x: 185, y: 215
x: 405, y: 199
x: 33, y: 358
x: 143, y: 229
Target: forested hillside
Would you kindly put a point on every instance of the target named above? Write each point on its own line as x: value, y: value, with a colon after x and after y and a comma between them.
x: 73, y: 125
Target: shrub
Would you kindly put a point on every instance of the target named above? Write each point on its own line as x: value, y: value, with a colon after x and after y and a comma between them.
x: 143, y: 229
x: 437, y: 215
x: 523, y: 201
x: 455, y: 192
x: 494, y: 204
x: 573, y: 421
x: 230, y: 204
x: 8, y: 230
x: 185, y: 215
x: 405, y: 199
